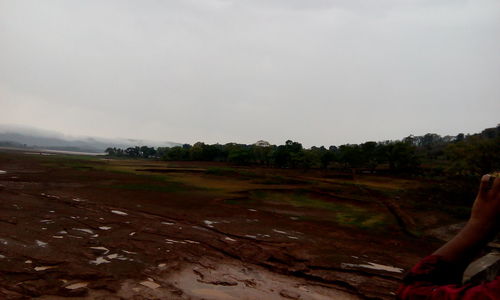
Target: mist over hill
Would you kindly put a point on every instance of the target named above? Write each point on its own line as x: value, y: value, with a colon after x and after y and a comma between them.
x: 29, y: 137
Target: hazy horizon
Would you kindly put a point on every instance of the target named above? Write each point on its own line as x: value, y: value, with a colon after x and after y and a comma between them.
x: 119, y: 141
x: 319, y: 72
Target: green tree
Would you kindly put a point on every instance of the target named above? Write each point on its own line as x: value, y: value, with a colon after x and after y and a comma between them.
x: 401, y: 156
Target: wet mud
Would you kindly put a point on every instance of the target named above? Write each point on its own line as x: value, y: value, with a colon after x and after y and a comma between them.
x: 65, y: 233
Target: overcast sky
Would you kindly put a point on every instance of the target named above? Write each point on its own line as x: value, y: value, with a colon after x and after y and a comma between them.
x: 322, y: 72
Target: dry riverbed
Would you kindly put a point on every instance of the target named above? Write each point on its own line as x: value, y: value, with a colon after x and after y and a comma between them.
x: 92, y: 233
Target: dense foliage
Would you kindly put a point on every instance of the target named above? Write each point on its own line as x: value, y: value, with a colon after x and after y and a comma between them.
x: 459, y: 155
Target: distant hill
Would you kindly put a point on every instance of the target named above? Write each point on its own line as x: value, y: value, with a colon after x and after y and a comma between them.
x: 26, y: 137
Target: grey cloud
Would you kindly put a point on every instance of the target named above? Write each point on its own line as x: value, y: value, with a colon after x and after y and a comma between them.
x: 321, y: 72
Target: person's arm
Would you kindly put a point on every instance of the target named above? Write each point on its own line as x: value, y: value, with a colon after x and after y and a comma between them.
x: 481, y: 227
x: 438, y: 276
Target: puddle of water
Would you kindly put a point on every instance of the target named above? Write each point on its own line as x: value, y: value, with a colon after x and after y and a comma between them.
x: 191, y: 242
x: 106, y: 250
x: 251, y: 209
x: 28, y: 262
x: 2, y: 256
x: 3, y: 172
x: 200, y: 228
x: 169, y: 241
x: 168, y: 223
x: 279, y: 231
x: 43, y: 268
x: 375, y: 266
x: 99, y: 260
x: 121, y: 213
x: 229, y: 239
x: 57, y: 236
x: 41, y: 244
x: 49, y: 196
x: 89, y: 231
x: 104, y: 227
x: 116, y: 256
x: 210, y: 223
x: 77, y: 285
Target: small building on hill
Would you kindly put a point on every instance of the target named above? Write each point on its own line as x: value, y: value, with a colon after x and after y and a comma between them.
x: 262, y: 143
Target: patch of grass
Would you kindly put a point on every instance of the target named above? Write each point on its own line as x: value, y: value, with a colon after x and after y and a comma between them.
x: 171, y: 188
x: 218, y: 171
x: 72, y: 163
x: 457, y: 211
x: 277, y: 180
x: 342, y: 214
x: 126, y: 169
x: 248, y: 174
x: 239, y: 201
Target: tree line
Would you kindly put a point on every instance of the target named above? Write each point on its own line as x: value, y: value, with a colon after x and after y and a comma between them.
x: 458, y: 155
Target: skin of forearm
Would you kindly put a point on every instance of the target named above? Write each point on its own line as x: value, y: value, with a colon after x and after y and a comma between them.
x: 481, y: 227
x: 468, y: 243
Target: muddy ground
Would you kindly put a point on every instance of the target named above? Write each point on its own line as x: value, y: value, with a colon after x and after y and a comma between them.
x: 94, y: 228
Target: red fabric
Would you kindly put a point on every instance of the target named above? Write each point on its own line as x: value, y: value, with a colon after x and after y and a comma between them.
x: 433, y: 278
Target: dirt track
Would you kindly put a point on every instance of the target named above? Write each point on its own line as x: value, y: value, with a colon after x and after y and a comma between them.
x: 67, y: 232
